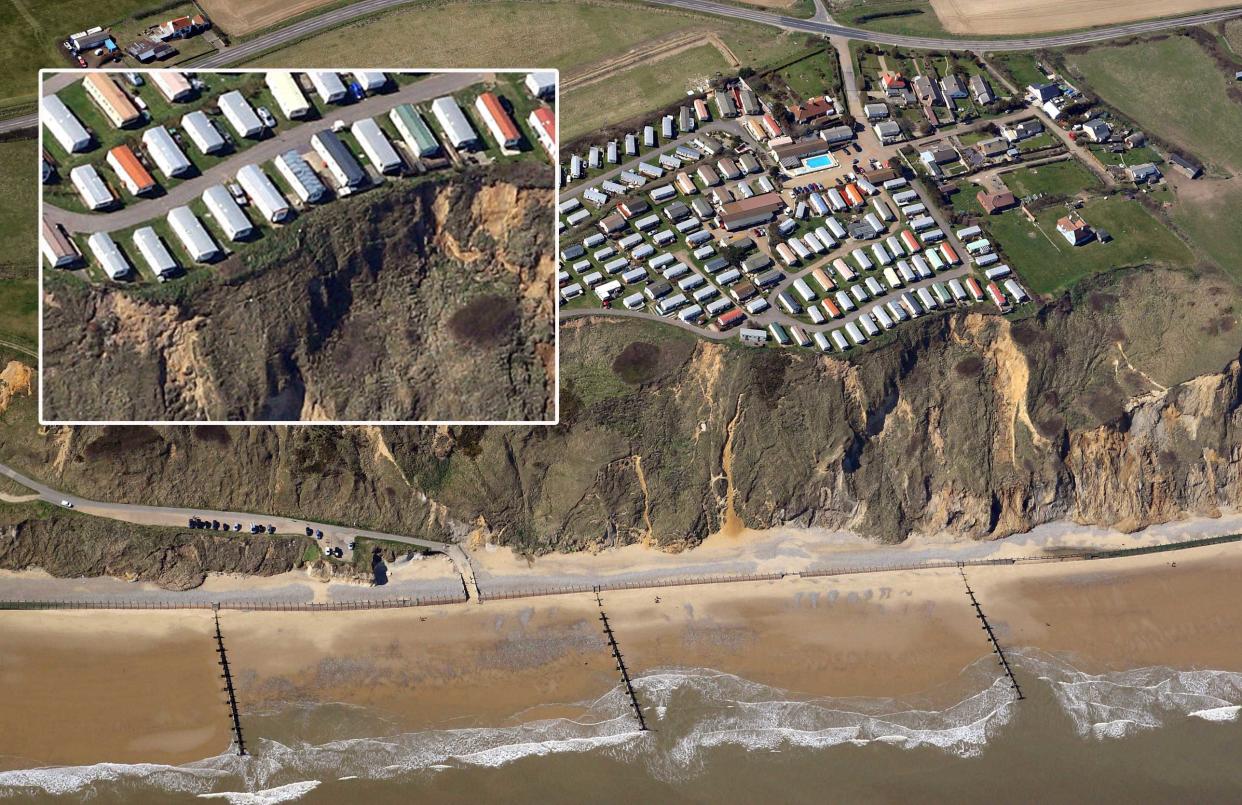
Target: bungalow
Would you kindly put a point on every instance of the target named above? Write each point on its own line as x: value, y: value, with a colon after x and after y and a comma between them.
x: 1146, y: 172
x: 893, y: 83
x: 876, y: 111
x: 1097, y: 130
x: 992, y: 147
x: 1074, y: 230
x: 995, y: 202
x: 814, y: 109
x: 837, y: 135
x: 888, y: 132
x: 938, y: 156
x: 925, y: 90
x: 953, y: 87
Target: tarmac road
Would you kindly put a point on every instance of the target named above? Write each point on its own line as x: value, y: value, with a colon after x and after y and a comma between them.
x: 333, y: 535
x: 253, y: 48
x: 286, y: 137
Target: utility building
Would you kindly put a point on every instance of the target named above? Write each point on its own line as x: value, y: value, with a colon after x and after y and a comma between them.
x: 112, y: 100
x: 240, y: 115
x: 414, y: 131
x: 192, y: 234
x: 376, y: 146
x: 499, y: 121
x: 288, y: 95
x: 109, y: 256
x: 301, y: 177
x: 454, y: 123
x: 95, y: 193
x: 155, y: 253
x: 263, y: 193
x: 226, y: 212
x: 202, y: 132
x: 134, y: 175
x: 165, y: 152
x: 63, y: 125
x: 338, y: 159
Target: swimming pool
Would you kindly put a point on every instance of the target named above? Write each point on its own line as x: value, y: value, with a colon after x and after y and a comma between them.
x: 821, y: 161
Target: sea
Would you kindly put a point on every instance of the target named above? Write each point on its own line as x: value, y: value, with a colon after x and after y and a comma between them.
x: 1148, y: 734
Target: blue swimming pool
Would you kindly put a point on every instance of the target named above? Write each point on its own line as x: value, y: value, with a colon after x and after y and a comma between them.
x: 821, y: 161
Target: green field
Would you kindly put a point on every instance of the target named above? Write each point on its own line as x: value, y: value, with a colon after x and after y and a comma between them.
x: 1018, y: 67
x: 1174, y: 90
x: 815, y: 75
x: 641, y: 89
x: 1047, y: 263
x: 910, y: 17
x: 19, y: 187
x: 1056, y: 179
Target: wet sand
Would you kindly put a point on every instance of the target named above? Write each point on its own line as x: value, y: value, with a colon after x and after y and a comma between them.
x: 1182, y: 609
x: 883, y: 635
x: 86, y: 687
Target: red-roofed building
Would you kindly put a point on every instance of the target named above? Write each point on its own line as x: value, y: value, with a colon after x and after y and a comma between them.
x: 893, y: 83
x: 813, y: 109
x: 498, y: 120
x: 544, y: 123
x: 1074, y: 230
x: 995, y: 202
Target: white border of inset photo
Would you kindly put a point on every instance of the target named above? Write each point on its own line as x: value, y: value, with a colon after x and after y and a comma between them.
x: 556, y: 297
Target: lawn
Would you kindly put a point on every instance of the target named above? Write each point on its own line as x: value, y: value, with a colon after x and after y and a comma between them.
x: 1018, y: 67
x: 638, y: 90
x: 1046, y: 263
x: 1058, y: 178
x: 815, y: 75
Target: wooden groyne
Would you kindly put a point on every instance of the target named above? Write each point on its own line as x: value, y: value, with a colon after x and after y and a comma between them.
x: 616, y: 655
x: 227, y: 676
x: 987, y: 627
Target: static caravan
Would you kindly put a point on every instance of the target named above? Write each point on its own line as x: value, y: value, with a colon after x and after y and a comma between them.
x: 264, y: 194
x: 838, y: 338
x: 454, y: 123
x: 134, y: 175
x: 173, y: 85
x: 240, y: 115
x: 997, y: 272
x: 821, y: 341
x: 301, y: 177
x: 192, y: 234
x: 65, y: 127
x: 109, y: 256
x: 95, y: 194
x: 288, y: 95
x: 339, y: 159
x: 376, y: 146
x: 202, y: 132
x: 370, y: 80
x: 498, y: 120
x: 228, y: 215
x: 155, y: 253
x: 165, y: 152
x: 873, y: 286
x: 855, y: 334
x: 57, y: 247
x: 868, y: 324
x: 328, y: 85
x: 1018, y: 293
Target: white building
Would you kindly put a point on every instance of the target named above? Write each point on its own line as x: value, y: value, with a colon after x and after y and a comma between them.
x: 57, y: 247
x: 192, y: 234
x: 263, y: 193
x: 328, y: 85
x: 288, y: 95
x: 240, y: 115
x: 63, y: 125
x: 543, y: 122
x: 95, y: 193
x: 370, y: 80
x: 154, y: 252
x: 172, y: 84
x: 541, y: 83
x: 109, y: 256
x: 202, y: 132
x: 454, y: 123
x: 376, y: 146
x: 300, y: 176
x: 165, y: 152
x: 226, y: 212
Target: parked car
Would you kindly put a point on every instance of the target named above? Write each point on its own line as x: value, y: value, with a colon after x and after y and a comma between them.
x: 356, y: 91
x: 318, y: 535
x: 237, y: 527
x: 66, y: 504
x: 266, y: 117
x: 271, y: 529
x: 238, y: 194
x: 310, y: 532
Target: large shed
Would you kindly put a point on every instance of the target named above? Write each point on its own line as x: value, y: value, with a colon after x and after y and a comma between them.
x: 454, y: 123
x: 226, y: 212
x: 192, y: 234
x: 63, y: 125
x: 376, y: 146
x: 263, y: 193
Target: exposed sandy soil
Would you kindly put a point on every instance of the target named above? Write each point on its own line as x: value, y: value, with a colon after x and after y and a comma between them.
x: 239, y: 17
x: 1029, y: 16
x: 646, y: 53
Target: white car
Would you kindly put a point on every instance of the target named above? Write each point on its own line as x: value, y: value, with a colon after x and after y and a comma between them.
x: 66, y: 504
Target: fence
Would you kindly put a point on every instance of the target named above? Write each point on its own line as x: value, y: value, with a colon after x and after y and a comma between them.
x: 244, y: 606
x: 632, y: 584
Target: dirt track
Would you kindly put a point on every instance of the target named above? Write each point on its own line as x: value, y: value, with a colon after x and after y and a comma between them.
x: 653, y: 51
x: 999, y: 17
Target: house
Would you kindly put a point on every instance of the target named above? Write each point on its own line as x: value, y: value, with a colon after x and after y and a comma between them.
x: 183, y: 27
x: 888, y: 132
x: 939, y: 155
x: 953, y: 87
x: 995, y: 202
x: 541, y: 83
x: 993, y: 147
x: 1189, y: 168
x: 1074, y: 230
x: 111, y: 99
x: 454, y: 123
x: 876, y: 111
x: 1097, y: 130
x: 1022, y: 131
x: 814, y: 109
x: 893, y: 83
x: 837, y: 135
x: 1146, y: 172
x: 982, y: 91
x: 925, y: 90
x: 1038, y: 93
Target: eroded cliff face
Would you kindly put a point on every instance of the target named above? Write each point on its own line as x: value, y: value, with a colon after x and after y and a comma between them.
x: 1116, y: 406
x: 429, y: 300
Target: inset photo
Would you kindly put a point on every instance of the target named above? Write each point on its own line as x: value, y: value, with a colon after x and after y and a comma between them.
x: 280, y: 246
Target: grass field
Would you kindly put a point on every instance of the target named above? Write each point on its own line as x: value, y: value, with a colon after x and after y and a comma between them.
x: 1019, y: 67
x: 19, y: 188
x: 911, y: 17
x: 1048, y: 264
x: 636, y: 91
x: 815, y: 75
x: 1175, y: 91
x: 1233, y: 36
x: 1057, y: 179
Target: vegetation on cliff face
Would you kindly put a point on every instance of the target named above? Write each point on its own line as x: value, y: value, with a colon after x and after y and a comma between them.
x: 1116, y: 405
x: 428, y: 300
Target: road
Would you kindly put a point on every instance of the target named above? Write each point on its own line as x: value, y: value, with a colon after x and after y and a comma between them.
x: 285, y: 138
x: 240, y: 53
x: 333, y: 535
